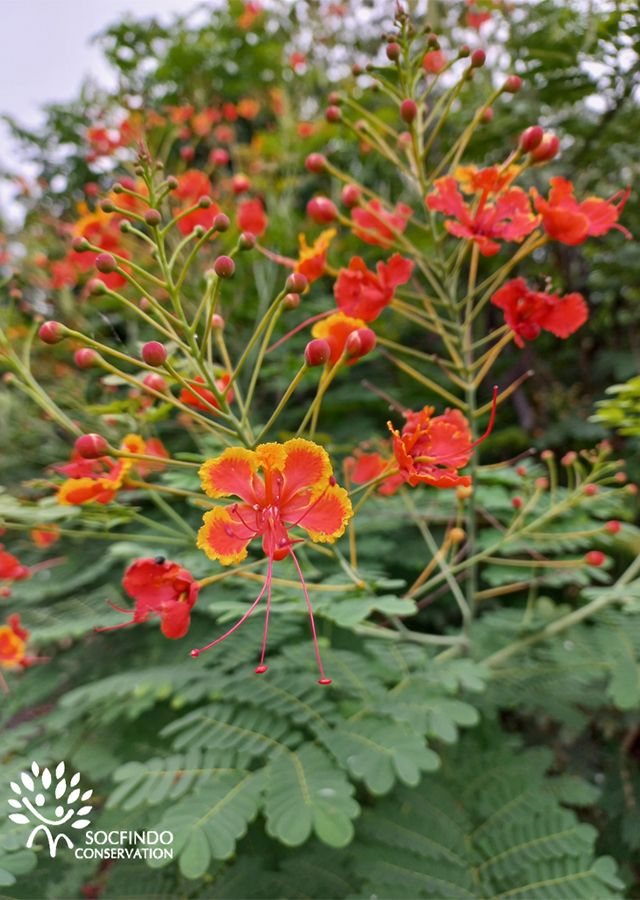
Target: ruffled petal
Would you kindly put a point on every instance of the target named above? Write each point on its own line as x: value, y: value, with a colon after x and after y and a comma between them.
x: 175, y: 619
x: 307, y: 465
x: 230, y: 474
x: 326, y: 517
x: 565, y: 316
x: 224, y: 537
x: 77, y: 491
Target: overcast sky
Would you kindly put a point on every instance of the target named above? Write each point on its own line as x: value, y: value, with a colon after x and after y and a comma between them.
x: 46, y: 53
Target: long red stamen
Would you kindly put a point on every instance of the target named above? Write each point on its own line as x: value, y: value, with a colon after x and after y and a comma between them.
x: 300, y: 327
x: 262, y: 668
x: 196, y: 652
x: 309, y: 508
x: 324, y: 679
x: 283, y: 260
x: 493, y: 415
x: 116, y: 627
x: 236, y: 510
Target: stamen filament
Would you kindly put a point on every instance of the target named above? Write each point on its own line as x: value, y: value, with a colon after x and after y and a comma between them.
x: 324, y: 679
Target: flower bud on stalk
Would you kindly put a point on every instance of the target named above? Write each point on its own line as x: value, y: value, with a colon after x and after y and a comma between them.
x: 296, y: 283
x: 154, y: 353
x: 247, y: 241
x: 107, y: 205
x: 240, y: 184
x: 350, y: 195
x: 219, y: 157
x: 591, y: 490
x: 595, y: 558
x: 394, y: 51
x: 321, y: 210
x: 172, y: 183
x: 530, y: 138
x: 217, y: 322
x: 92, y: 446
x: 546, y: 149
x: 52, y: 332
x: 317, y: 353
x: 291, y: 301
x: 408, y: 110
x: 187, y: 153
x: 224, y: 267
x: 106, y: 263
x: 86, y: 358
x: 360, y: 343
x: 153, y: 217
x: 155, y: 382
x: 315, y: 163
x: 80, y: 244
x: 513, y: 84
x: 612, y: 527
x: 478, y: 58
x: 516, y: 502
x: 333, y: 114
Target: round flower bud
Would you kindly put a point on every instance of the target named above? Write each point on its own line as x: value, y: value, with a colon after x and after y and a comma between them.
x: 350, y: 195
x: 335, y: 99
x: 546, y: 149
x: 541, y: 483
x: 51, y: 332
x: 144, y: 304
x: 522, y: 471
x: 594, y: 558
x: 124, y: 226
x: 198, y: 232
x: 247, y: 241
x: 92, y: 446
x: 5, y: 592
x: 457, y: 535
x: 154, y: 353
x: 317, y: 353
x: 155, y: 382
x: 464, y: 492
x: 356, y: 69
x: 612, y: 527
x: 321, y: 210
x: 205, y: 202
x: 240, y: 184
x: 291, y: 301
x: 547, y: 454
x: 591, y: 490
x: 217, y: 321
x: 219, y: 157
x: 333, y: 114
x: 530, y: 138
x: 296, y: 283
x: 86, y: 358
x: 80, y: 244
x: 404, y: 140
x: 464, y: 51
x: 408, y: 110
x: 620, y: 477
x: 315, y: 163
x: 107, y: 205
x: 96, y: 287
x: 221, y: 222
x: 569, y: 458
x: 106, y: 263
x: 360, y: 343
x: 187, y: 153
x: 513, y: 84
x: 152, y: 217
x: 478, y: 58
x: 224, y: 267
x: 516, y: 502
x: 487, y: 116
x: 173, y: 183
x: 393, y: 51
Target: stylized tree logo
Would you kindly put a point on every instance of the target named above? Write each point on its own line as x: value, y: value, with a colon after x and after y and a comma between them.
x: 64, y: 812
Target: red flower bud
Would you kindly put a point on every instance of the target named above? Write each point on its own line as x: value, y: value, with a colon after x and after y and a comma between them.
x: 315, y: 163
x: 595, y: 558
x: 219, y: 157
x: 464, y: 51
x: 350, y: 195
x: 321, y: 210
x: 546, y: 149
x: 612, y: 527
x: 356, y: 69
x: 222, y: 222
x: 217, y: 321
x: 155, y: 382
x: 547, y: 454
x: 631, y: 489
x: 487, y: 116
x: 80, y: 244
x: 205, y: 202
x: 591, y: 490
x: 569, y: 458
x: 513, y: 84
x: 291, y: 301
x: 5, y: 592
x: 172, y: 183
x: 317, y: 353
x: 541, y: 483
x: 92, y: 446
x: 333, y: 114
x: 153, y: 217
x: 107, y: 205
x: 360, y: 343
x: 530, y: 138
x: 393, y: 52
x: 154, y: 353
x: 478, y: 58
x: 516, y: 502
x: 620, y: 477
x: 240, y: 184
x: 86, y: 358
x: 224, y: 267
x: 296, y: 283
x: 51, y: 332
x: 247, y: 241
x: 187, y: 153
x: 106, y: 263
x: 408, y: 110
x: 522, y: 471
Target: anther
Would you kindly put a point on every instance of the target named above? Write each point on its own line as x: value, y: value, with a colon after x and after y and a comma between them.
x: 260, y: 670
x: 324, y: 681
x: 195, y: 653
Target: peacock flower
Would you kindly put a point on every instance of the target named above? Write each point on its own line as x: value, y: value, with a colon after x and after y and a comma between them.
x: 363, y: 294
x: 312, y: 260
x: 45, y: 535
x: 376, y: 225
x: 492, y: 180
x: 11, y: 568
x: 160, y: 588
x: 335, y: 330
x: 366, y: 467
x: 193, y: 185
x: 13, y: 643
x: 509, y: 218
x: 570, y: 222
x: 528, y: 312
x: 196, y: 395
x: 252, y: 217
x: 280, y: 486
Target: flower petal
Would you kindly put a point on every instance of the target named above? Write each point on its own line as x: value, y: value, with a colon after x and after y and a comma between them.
x: 326, y: 518
x: 77, y: 491
x: 175, y: 619
x: 307, y: 465
x: 222, y: 537
x: 229, y: 474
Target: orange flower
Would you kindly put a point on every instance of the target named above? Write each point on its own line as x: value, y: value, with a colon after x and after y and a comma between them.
x: 248, y: 108
x: 252, y: 10
x: 365, y: 467
x: 281, y: 486
x: 570, y: 222
x: 44, y: 538
x: 312, y: 260
x: 360, y: 292
x: 305, y: 130
x: 193, y: 185
x: 13, y: 641
x: 376, y: 223
x: 335, y: 330
x: 196, y: 395
x: 252, y: 217
x: 488, y: 181
x: 10, y: 567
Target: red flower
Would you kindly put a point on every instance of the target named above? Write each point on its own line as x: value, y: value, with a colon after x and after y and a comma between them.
x: 570, y: 222
x: 13, y: 639
x: 11, y: 568
x: 193, y: 185
x: 508, y: 219
x: 251, y: 217
x: 196, y: 395
x: 362, y: 294
x: 431, y: 450
x: 44, y: 536
x: 527, y: 312
x: 252, y: 10
x: 281, y: 486
x: 364, y: 467
x: 378, y: 223
x: 434, y: 61
x: 474, y: 17
x: 160, y: 588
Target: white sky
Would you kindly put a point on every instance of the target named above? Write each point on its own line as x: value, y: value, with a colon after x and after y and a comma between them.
x: 45, y: 54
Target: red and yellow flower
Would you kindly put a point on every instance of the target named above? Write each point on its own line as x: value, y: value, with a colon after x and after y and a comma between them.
x: 193, y: 185
x: 335, y: 330
x: 570, y: 222
x: 362, y: 294
x: 376, y: 225
x: 13, y: 643
x: 252, y: 217
x: 196, y: 395
x: 528, y: 312
x: 44, y: 536
x: 312, y: 260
